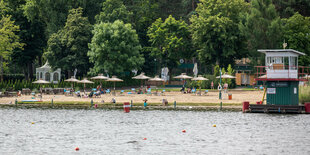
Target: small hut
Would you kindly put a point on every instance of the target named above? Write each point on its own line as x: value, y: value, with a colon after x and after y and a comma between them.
x: 46, y: 73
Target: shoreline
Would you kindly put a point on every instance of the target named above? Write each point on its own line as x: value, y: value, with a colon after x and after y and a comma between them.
x: 119, y: 106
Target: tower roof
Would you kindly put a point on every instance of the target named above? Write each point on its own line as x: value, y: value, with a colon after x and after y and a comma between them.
x: 280, y: 50
x: 46, y: 65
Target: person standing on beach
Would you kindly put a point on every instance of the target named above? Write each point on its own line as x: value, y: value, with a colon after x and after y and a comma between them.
x: 212, y: 85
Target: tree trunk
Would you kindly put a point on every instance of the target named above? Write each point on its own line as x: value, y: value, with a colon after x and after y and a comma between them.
x: 193, y: 5
x: 25, y: 73
x: 1, y: 67
x: 69, y: 74
x: 30, y: 71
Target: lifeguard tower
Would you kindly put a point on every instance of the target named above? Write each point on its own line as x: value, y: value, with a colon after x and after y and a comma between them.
x: 281, y: 76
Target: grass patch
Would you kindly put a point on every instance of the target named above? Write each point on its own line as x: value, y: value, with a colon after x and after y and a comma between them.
x: 73, y: 103
x: 304, y: 94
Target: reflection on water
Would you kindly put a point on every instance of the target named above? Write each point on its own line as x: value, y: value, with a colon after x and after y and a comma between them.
x: 114, y: 132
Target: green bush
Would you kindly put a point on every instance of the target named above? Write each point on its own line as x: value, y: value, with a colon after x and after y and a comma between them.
x: 304, y: 94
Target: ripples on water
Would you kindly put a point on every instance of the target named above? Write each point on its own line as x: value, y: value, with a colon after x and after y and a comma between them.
x: 115, y: 132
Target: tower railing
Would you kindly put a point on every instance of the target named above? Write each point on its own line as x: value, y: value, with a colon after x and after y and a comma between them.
x: 285, y: 70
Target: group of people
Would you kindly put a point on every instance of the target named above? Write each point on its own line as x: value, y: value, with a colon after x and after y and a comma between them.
x: 190, y: 90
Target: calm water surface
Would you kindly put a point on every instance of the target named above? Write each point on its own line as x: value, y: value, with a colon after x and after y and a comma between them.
x: 115, y: 132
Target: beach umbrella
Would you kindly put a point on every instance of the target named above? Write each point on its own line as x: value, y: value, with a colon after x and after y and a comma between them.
x: 183, y: 76
x: 72, y: 79
x: 85, y: 81
x: 141, y: 77
x: 195, y: 69
x: 156, y: 78
x: 226, y: 76
x: 100, y: 77
x: 41, y: 82
x: 199, y: 78
x: 114, y: 79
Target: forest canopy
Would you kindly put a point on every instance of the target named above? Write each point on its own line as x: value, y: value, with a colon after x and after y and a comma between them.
x: 119, y: 36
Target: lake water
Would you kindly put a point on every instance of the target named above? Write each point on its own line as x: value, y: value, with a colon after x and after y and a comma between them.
x: 57, y: 131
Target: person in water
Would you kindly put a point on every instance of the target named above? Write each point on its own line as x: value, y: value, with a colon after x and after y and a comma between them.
x: 145, y: 103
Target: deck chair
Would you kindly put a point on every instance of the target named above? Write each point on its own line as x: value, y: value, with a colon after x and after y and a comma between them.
x: 133, y: 90
x: 163, y: 92
x: 67, y: 92
x: 122, y: 92
x: 149, y: 91
x: 108, y: 91
x: 194, y: 91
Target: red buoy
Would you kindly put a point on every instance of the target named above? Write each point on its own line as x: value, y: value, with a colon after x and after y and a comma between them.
x: 307, y: 107
x: 183, y: 131
x: 245, y: 106
x: 144, y: 139
x: 126, y: 107
x: 77, y: 149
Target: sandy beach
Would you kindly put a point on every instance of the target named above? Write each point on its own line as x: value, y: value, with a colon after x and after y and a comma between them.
x: 238, y: 96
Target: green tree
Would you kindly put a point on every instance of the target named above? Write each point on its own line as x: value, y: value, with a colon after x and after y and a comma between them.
x: 53, y: 13
x: 215, y: 31
x: 261, y: 26
x: 8, y: 40
x: 230, y: 71
x: 113, y: 10
x: 67, y: 49
x: 170, y: 41
x: 297, y: 34
x: 31, y: 34
x: 287, y: 8
x: 115, y: 48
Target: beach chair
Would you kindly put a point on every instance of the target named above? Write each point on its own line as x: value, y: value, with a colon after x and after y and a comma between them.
x: 163, y: 92
x: 194, y: 91
x: 78, y: 94
x: 133, y: 91
x: 108, y: 91
x: 67, y: 92
x: 97, y: 94
x: 206, y: 92
x: 122, y: 92
x: 149, y: 91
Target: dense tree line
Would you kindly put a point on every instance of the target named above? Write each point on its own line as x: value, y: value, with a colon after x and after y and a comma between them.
x: 118, y: 36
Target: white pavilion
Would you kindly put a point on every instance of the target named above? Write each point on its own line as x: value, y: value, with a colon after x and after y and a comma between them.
x: 46, y: 73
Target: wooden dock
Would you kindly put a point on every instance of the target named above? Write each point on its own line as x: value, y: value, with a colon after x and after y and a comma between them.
x: 258, y: 108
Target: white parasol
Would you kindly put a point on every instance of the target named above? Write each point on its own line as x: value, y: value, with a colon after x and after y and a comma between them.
x: 100, y: 77
x: 226, y: 76
x: 183, y: 76
x: 41, y: 82
x: 115, y: 79
x: 156, y: 78
x: 72, y: 79
x: 141, y: 77
x: 85, y: 81
x: 199, y: 78
x: 195, y: 69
